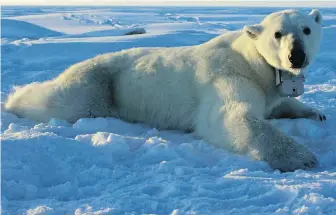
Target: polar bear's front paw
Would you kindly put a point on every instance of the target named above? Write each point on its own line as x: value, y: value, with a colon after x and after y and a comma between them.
x: 315, y: 115
x: 294, y: 157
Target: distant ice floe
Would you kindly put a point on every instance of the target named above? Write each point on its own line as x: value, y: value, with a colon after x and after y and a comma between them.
x: 92, y: 19
x: 15, y: 29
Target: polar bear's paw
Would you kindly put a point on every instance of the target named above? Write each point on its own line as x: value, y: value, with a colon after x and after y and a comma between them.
x: 292, y: 158
x: 316, y: 115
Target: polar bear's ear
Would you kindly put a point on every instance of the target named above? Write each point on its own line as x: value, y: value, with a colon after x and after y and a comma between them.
x: 316, y: 16
x: 253, y: 31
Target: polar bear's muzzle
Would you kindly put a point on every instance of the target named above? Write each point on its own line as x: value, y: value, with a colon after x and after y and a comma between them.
x: 297, y: 56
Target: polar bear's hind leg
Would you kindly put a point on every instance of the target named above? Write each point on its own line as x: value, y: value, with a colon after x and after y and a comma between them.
x: 91, y: 95
x: 79, y: 92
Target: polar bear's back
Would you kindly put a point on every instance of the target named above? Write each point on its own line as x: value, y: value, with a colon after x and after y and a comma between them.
x: 159, y: 88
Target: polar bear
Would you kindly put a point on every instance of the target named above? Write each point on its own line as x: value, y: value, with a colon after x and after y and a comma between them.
x: 224, y: 90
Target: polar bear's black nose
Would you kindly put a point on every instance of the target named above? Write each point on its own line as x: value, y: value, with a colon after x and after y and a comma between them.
x: 297, y: 56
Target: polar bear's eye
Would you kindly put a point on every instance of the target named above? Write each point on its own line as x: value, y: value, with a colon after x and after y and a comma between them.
x: 306, y: 31
x: 277, y: 35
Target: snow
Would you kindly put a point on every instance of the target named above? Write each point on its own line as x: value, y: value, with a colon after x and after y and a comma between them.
x: 17, y: 29
x: 108, y: 166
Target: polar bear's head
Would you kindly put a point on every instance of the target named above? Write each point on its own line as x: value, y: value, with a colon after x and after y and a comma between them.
x: 288, y: 40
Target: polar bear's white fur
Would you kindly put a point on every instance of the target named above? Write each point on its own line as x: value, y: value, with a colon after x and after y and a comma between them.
x: 223, y: 89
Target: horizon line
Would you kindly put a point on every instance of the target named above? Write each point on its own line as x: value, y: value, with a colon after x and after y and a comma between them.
x: 195, y: 3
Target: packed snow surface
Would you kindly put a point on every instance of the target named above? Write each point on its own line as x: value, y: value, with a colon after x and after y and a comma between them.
x: 108, y: 166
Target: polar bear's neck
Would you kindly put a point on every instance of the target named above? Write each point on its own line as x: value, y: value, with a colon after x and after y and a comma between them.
x: 237, y: 45
x: 261, y: 71
x: 241, y: 45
